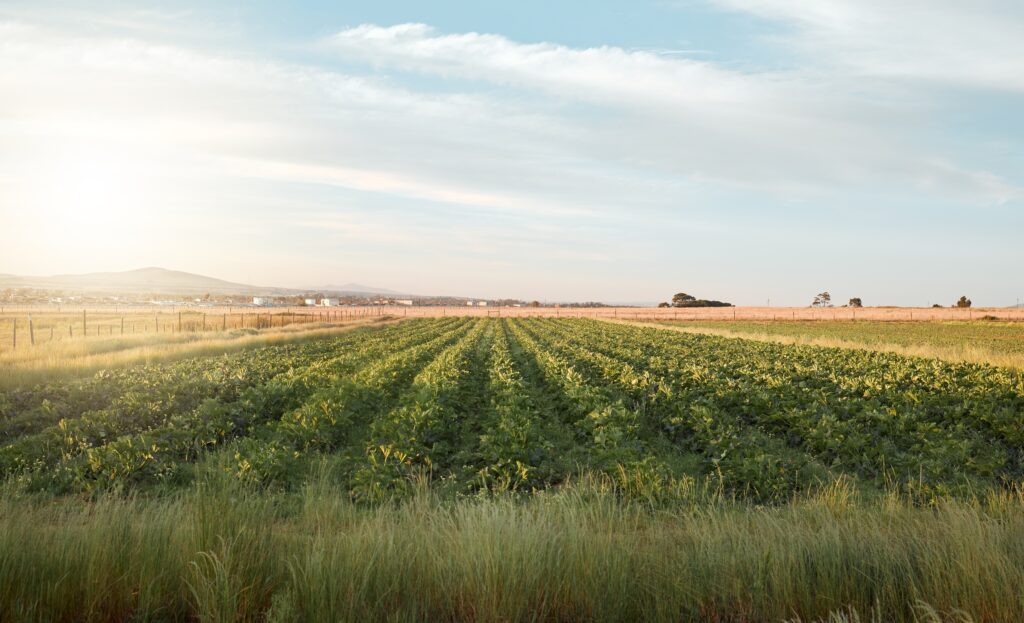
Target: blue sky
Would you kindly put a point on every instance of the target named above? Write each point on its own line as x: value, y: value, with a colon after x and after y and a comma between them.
x: 746, y: 150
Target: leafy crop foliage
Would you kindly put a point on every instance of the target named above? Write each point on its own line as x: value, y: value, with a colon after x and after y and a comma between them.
x: 521, y: 405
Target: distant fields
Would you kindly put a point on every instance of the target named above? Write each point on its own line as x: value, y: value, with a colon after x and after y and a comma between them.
x: 521, y: 469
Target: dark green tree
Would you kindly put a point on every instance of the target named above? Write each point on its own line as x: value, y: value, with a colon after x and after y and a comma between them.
x: 681, y: 299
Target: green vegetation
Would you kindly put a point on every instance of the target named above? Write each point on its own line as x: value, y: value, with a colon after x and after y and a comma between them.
x: 540, y: 469
x: 998, y: 343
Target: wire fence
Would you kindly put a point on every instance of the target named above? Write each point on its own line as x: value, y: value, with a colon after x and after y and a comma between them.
x: 27, y: 326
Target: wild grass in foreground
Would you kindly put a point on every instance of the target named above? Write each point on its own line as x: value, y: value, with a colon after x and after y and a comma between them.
x: 221, y: 552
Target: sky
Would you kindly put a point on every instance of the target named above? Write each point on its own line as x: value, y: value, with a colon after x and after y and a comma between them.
x: 753, y: 151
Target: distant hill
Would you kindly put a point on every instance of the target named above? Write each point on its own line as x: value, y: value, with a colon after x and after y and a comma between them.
x: 163, y: 281
x: 142, y: 280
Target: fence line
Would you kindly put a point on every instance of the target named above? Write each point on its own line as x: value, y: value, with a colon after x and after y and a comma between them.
x: 100, y: 321
x: 133, y: 320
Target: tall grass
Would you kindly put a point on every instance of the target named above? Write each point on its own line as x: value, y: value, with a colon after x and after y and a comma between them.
x: 218, y: 552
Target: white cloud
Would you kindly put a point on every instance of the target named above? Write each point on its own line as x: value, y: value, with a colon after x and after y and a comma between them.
x: 968, y: 43
x: 788, y: 133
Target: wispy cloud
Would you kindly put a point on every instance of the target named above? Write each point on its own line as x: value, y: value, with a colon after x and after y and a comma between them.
x: 784, y: 132
x: 975, y: 44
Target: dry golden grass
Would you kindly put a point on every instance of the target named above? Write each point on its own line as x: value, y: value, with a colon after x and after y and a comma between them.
x: 894, y: 314
x: 72, y: 358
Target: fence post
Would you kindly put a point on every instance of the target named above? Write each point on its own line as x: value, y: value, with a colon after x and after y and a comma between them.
x: 31, y: 331
x: 179, y: 322
x: 14, y: 332
x: 224, y: 323
x: 122, y: 325
x: 85, y: 330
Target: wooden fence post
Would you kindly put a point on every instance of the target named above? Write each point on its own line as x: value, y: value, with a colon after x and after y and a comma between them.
x: 31, y: 331
x: 179, y: 322
x: 14, y: 332
x: 122, y: 325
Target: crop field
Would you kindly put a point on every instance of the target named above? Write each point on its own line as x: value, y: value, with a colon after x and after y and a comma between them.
x: 552, y: 469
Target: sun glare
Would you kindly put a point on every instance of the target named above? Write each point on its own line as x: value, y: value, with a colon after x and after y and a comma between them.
x: 88, y: 200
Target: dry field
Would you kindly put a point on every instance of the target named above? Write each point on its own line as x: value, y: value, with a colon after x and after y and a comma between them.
x: 895, y: 314
x: 27, y: 326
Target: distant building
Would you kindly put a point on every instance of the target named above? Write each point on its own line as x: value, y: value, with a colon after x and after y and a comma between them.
x: 481, y: 304
x: 260, y: 300
x: 309, y: 302
x: 470, y: 303
x: 328, y: 302
x: 403, y: 301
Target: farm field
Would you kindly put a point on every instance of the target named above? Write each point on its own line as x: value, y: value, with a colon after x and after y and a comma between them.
x: 997, y: 343
x: 568, y: 469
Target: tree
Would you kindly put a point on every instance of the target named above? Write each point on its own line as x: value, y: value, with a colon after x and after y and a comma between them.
x: 534, y: 303
x: 664, y: 305
x: 823, y: 299
x: 963, y: 302
x: 681, y: 299
x: 856, y: 302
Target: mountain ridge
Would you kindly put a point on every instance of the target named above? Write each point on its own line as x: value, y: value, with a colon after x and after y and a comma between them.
x: 154, y: 279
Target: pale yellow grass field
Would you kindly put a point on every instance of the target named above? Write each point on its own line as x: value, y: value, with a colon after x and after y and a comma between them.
x: 895, y: 314
x: 72, y: 358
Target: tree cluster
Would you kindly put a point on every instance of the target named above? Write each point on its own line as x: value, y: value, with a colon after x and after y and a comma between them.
x: 683, y: 299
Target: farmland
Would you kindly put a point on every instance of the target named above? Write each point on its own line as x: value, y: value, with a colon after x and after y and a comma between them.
x: 568, y: 468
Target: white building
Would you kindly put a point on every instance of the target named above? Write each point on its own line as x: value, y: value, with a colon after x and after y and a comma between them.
x: 481, y: 304
x: 403, y: 301
x: 328, y: 302
x: 260, y: 300
x: 470, y: 303
x: 309, y: 302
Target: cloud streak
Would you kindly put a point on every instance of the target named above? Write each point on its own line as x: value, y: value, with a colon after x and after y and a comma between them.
x: 975, y: 45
